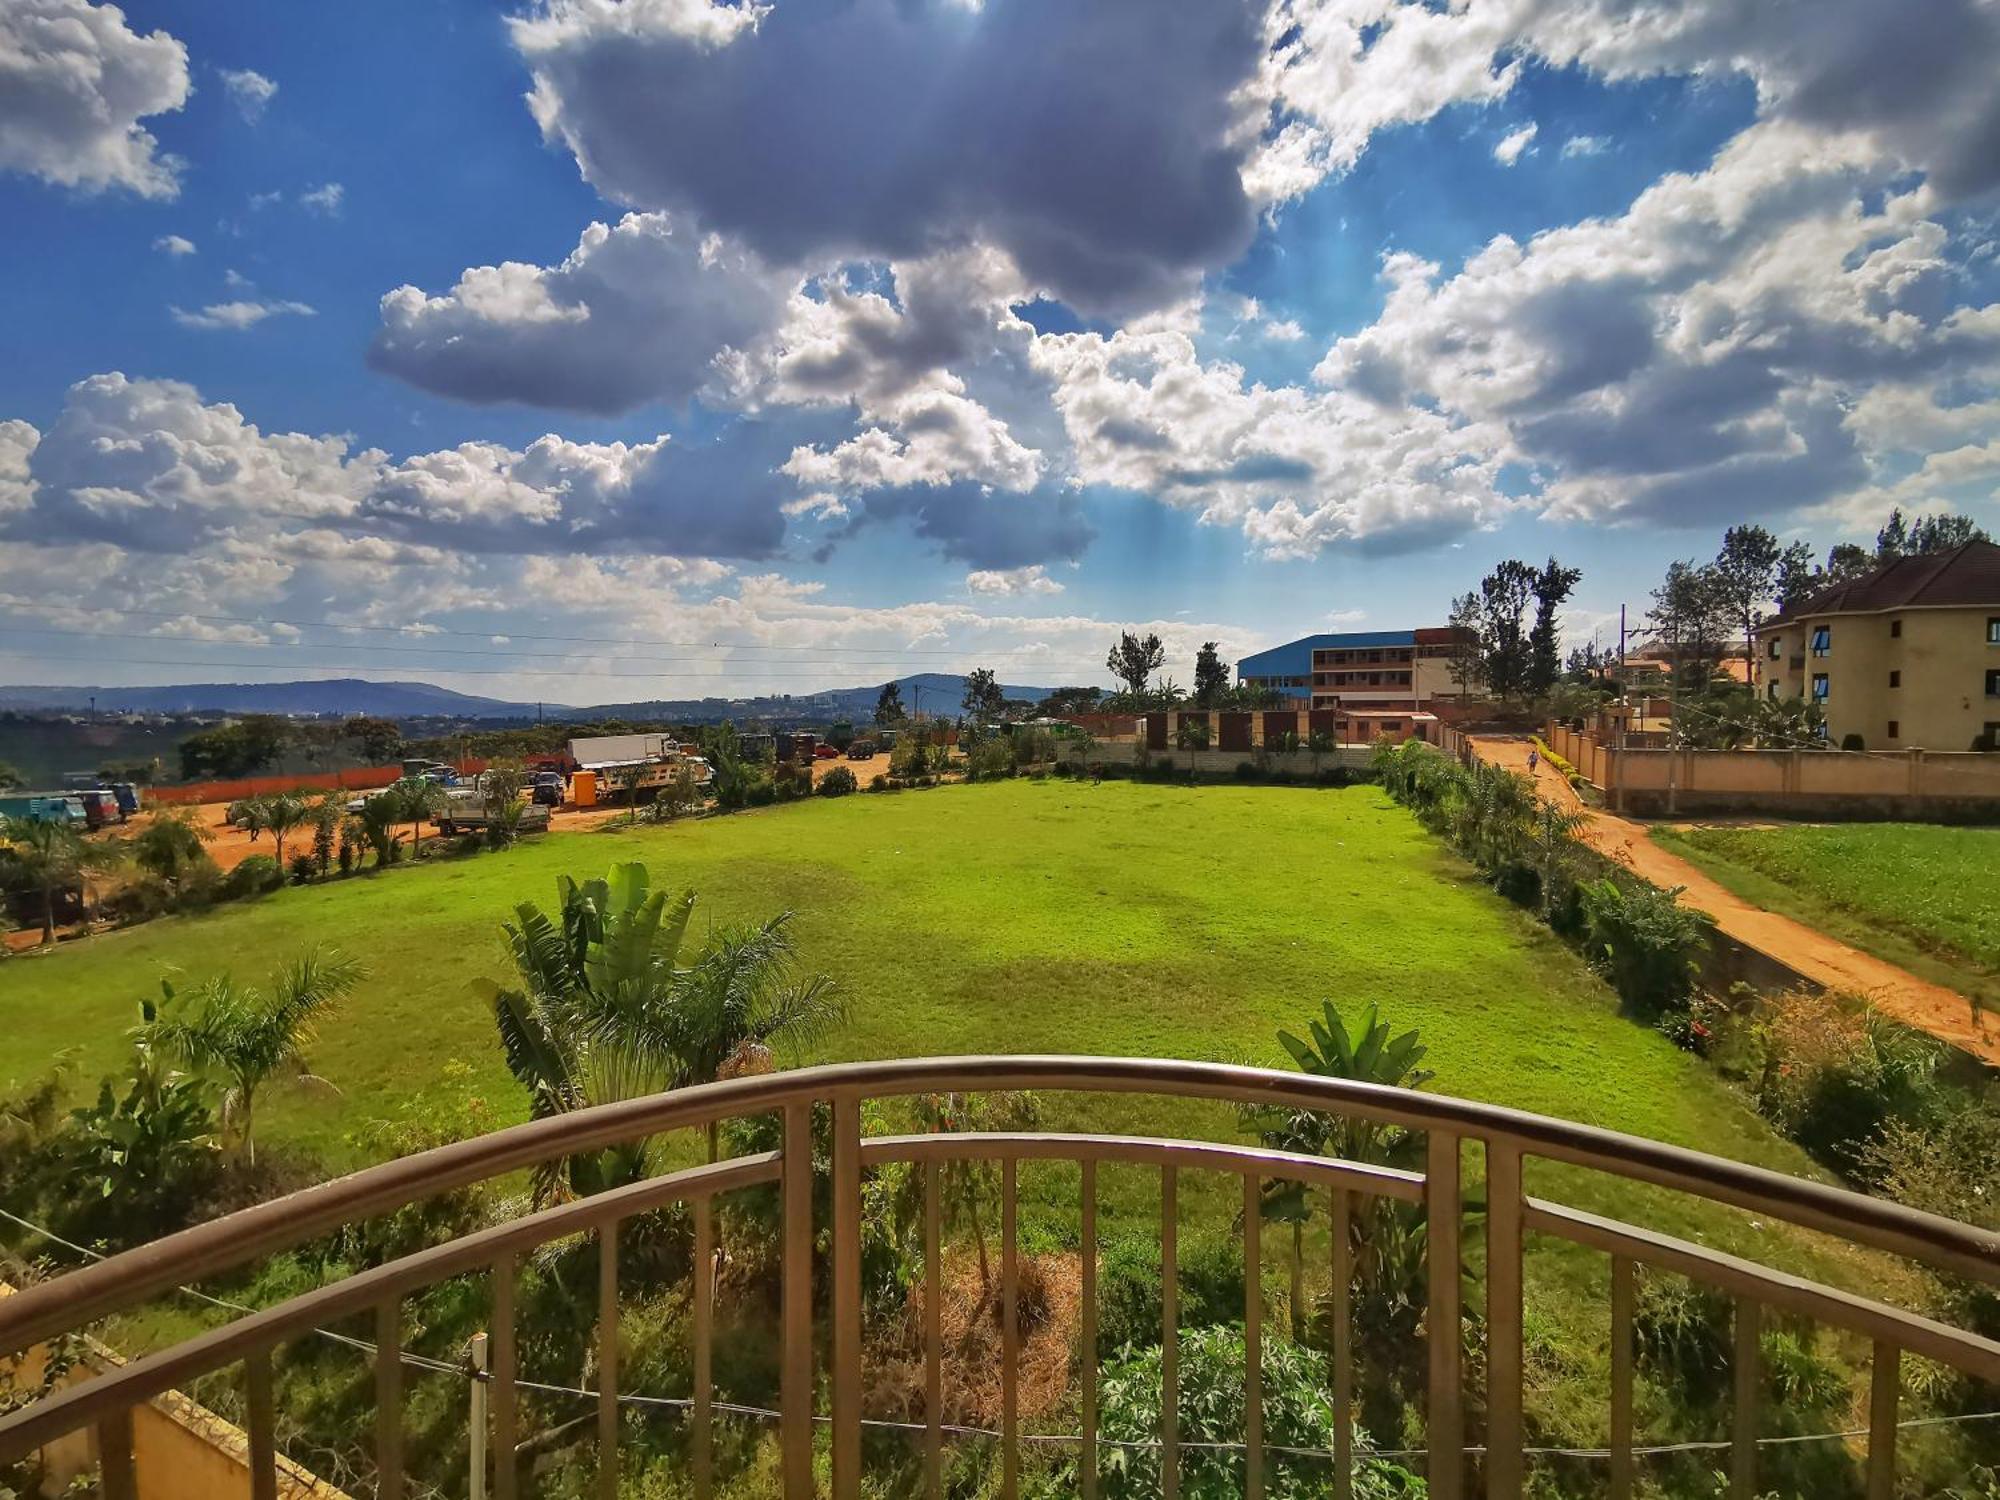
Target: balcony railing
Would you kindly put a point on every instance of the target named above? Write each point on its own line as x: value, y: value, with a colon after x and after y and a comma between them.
x: 1453, y: 1466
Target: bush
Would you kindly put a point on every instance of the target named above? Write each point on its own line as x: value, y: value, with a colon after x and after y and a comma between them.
x: 256, y: 875
x: 303, y: 869
x: 1835, y: 1079
x: 1853, y: 742
x: 878, y: 783
x: 990, y: 760
x: 837, y: 783
x: 1646, y: 943
x: 138, y: 901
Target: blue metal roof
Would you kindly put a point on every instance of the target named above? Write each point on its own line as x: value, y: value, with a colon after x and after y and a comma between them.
x: 1295, y: 658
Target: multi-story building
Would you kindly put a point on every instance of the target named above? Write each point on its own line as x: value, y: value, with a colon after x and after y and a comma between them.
x: 1907, y: 656
x: 1370, y: 669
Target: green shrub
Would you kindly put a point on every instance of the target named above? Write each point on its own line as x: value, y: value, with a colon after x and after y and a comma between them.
x: 1646, y: 943
x: 256, y: 875
x: 837, y: 783
x: 878, y: 783
x: 304, y: 868
x: 1835, y: 1079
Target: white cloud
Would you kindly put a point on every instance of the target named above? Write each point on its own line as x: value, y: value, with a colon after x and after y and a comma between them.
x: 75, y: 81
x: 1510, y: 146
x: 249, y: 91
x: 325, y: 199
x: 638, y: 312
x: 1030, y: 580
x: 240, y: 314
x: 939, y: 436
x: 174, y: 245
x: 1585, y: 145
x: 18, y: 441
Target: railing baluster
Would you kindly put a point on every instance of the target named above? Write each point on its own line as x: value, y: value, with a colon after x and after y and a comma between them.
x: 506, y: 1404
x: 701, y: 1438
x: 1341, y: 1297
x: 1503, y: 1322
x: 1621, y: 1378
x: 1086, y: 1462
x: 115, y: 1472
x: 1253, y: 1339
x: 389, y: 1399
x: 1170, y: 1351
x: 933, y: 1337
x: 845, y: 1387
x: 1885, y: 1389
x: 1743, y: 1426
x: 607, y: 1360
x: 796, y: 1393
x: 262, y: 1418
x: 1444, y: 1421
x: 1010, y: 1340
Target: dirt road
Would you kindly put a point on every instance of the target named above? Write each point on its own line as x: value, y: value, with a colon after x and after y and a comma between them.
x: 1944, y: 1013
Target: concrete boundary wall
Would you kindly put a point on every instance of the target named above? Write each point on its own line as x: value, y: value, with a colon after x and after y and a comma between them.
x: 1221, y: 763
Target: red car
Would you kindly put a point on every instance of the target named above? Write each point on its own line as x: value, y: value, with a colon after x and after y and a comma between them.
x: 825, y: 752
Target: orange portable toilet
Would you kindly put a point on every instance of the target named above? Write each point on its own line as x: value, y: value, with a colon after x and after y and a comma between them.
x: 583, y: 789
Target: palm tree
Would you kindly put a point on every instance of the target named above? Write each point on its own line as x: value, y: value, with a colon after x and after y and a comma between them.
x: 49, y: 857
x: 242, y: 1037
x: 604, y: 1009
x: 1553, y: 831
x: 414, y: 798
x: 282, y: 813
x: 378, y: 819
x: 171, y: 844
x: 1332, y: 1053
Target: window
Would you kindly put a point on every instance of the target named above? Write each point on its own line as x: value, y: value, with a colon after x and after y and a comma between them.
x: 1822, y: 640
x: 1772, y: 694
x: 1777, y: 645
x: 1993, y: 684
x: 1895, y: 679
x: 1895, y: 730
x: 1820, y: 685
x: 1993, y: 630
x: 1895, y: 630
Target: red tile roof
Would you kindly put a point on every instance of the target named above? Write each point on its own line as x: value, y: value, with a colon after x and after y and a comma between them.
x: 1967, y: 576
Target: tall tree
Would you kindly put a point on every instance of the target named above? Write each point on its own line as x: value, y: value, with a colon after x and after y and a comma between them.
x: 49, y: 857
x: 1796, y: 578
x: 1691, y: 618
x: 889, y: 704
x: 983, y: 701
x: 1930, y: 534
x: 1211, y: 675
x: 1503, y: 605
x: 1135, y: 659
x: 1467, y: 650
x: 1553, y: 586
x: 1746, y: 576
x: 245, y: 1038
x: 379, y: 740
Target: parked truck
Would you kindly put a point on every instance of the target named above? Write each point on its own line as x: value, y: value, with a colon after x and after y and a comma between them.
x: 43, y: 807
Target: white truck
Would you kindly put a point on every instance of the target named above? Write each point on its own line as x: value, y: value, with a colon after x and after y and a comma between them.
x: 639, y: 764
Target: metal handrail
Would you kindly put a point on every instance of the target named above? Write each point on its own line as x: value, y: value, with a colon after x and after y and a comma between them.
x: 1508, y: 1137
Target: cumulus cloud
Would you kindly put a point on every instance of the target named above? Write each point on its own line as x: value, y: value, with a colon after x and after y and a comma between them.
x: 939, y: 436
x: 1508, y: 149
x: 174, y: 245
x: 17, y: 445
x: 636, y: 313
x: 324, y: 200
x: 994, y: 581
x: 241, y: 314
x: 1585, y: 145
x: 1102, y: 150
x: 249, y: 91
x: 75, y: 81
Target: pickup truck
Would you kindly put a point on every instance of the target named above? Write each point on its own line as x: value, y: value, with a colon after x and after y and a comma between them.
x: 468, y: 813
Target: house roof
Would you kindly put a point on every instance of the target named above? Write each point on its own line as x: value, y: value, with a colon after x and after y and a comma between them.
x: 1968, y: 576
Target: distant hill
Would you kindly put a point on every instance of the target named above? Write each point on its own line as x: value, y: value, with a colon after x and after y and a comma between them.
x: 332, y: 695
x: 934, y: 692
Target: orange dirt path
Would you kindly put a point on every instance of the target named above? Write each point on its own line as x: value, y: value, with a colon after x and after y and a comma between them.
x: 1944, y: 1013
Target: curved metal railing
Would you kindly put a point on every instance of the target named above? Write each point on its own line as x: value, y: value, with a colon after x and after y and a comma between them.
x: 1507, y: 1138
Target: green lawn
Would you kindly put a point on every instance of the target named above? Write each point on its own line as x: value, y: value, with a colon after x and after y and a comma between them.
x: 1023, y: 916
x: 1916, y: 894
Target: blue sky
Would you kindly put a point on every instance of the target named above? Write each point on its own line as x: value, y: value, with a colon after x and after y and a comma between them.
x: 920, y: 335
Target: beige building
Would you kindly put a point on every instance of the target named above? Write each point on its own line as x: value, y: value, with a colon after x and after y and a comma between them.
x: 1385, y: 671
x: 1907, y: 657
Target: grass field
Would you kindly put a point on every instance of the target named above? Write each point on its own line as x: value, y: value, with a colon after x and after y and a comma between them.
x: 1915, y: 894
x: 1012, y: 917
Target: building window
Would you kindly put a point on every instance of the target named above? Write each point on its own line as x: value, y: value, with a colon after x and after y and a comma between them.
x: 1895, y: 679
x: 1895, y: 630
x: 1777, y: 645
x: 1895, y: 730
x: 1993, y: 630
x: 1822, y: 640
x: 1820, y: 685
x: 1773, y: 692
x: 1993, y: 684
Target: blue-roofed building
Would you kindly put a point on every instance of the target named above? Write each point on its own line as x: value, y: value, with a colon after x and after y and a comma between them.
x: 1379, y: 670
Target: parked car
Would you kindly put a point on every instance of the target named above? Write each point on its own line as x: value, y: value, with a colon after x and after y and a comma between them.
x: 825, y: 752
x: 547, y: 789
x: 100, y: 807
x: 861, y: 750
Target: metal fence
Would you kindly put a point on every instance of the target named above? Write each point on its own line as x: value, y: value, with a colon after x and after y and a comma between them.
x: 1508, y: 1140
